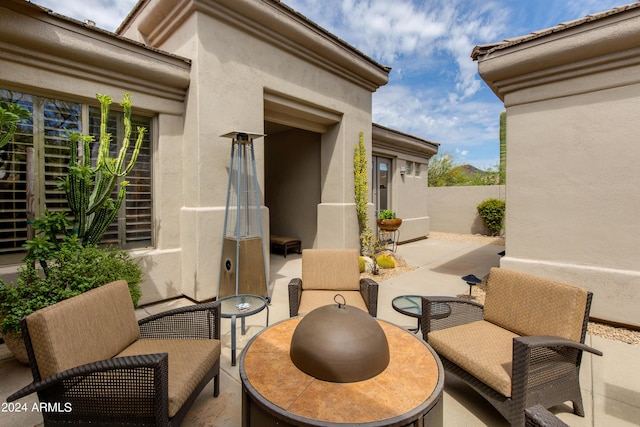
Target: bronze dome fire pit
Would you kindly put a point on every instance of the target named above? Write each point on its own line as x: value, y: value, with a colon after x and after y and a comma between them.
x: 340, y: 344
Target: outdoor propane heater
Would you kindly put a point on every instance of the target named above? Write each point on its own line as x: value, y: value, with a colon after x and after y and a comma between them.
x: 243, y: 267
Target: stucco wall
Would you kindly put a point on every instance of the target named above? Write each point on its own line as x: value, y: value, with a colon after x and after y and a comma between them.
x: 572, y: 158
x: 239, y: 66
x: 454, y: 209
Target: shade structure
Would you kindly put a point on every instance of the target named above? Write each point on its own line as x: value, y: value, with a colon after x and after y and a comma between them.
x: 243, y: 266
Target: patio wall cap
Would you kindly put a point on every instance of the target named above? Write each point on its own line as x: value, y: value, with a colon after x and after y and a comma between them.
x: 570, y: 47
x: 84, y: 49
x: 269, y: 20
x: 393, y: 140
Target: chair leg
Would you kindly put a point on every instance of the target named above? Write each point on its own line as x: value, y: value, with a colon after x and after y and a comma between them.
x: 578, y: 407
x: 216, y: 385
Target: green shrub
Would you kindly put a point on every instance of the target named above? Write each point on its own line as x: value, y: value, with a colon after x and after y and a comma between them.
x: 387, y: 214
x: 361, y: 264
x: 492, y: 213
x: 386, y: 261
x: 74, y: 270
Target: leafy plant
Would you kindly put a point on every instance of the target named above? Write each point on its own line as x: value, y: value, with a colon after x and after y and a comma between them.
x: 74, y: 270
x: 10, y: 115
x: 387, y: 214
x: 492, y: 212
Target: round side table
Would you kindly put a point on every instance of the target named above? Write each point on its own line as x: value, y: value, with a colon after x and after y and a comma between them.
x: 241, y: 306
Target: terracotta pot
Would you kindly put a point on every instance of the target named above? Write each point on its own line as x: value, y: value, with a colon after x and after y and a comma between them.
x: 16, y: 345
x: 389, y: 224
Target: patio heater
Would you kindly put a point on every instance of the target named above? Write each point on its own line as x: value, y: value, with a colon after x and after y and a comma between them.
x: 243, y: 266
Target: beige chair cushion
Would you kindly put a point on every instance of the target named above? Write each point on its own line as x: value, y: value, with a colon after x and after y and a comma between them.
x: 531, y: 305
x: 336, y: 269
x: 92, y: 326
x: 482, y: 349
x: 189, y: 362
x: 312, y: 299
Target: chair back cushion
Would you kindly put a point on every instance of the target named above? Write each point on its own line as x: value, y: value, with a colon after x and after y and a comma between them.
x: 331, y: 269
x: 531, y: 305
x: 89, y: 327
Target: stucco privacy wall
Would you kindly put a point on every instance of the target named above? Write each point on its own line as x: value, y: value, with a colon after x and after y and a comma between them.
x: 572, y: 100
x: 454, y: 209
x: 408, y: 191
x: 48, y: 55
x: 242, y: 50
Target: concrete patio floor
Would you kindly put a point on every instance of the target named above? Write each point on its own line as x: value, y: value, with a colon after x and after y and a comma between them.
x: 610, y: 384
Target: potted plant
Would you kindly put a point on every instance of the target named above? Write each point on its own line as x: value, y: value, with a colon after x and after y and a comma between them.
x: 387, y: 220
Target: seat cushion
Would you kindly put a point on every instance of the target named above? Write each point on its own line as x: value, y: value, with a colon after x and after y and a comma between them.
x: 312, y: 299
x: 531, y: 305
x: 482, y: 349
x: 330, y: 269
x: 92, y: 326
x: 189, y: 362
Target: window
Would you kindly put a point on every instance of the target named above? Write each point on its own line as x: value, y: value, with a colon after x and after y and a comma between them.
x: 409, y: 170
x: 418, y: 166
x: 45, y: 134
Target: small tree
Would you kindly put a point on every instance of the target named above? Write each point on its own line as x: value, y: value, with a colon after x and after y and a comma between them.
x: 492, y: 213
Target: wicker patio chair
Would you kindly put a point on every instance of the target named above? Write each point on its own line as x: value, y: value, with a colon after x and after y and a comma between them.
x: 327, y: 272
x: 539, y: 416
x: 522, y: 348
x: 94, y: 364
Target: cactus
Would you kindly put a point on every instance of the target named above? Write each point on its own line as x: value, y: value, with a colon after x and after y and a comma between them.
x: 367, y: 238
x: 386, y: 261
x: 89, y: 189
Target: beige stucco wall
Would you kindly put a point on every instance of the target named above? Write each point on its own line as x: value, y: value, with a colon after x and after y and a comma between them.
x: 241, y: 56
x: 572, y: 151
x: 70, y: 61
x: 454, y: 209
x: 408, y: 190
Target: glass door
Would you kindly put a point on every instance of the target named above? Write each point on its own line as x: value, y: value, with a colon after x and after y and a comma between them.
x: 381, y: 183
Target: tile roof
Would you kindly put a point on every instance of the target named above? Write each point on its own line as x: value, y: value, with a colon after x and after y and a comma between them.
x: 485, y: 49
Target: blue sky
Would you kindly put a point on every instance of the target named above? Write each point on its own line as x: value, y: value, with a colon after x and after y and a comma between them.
x: 434, y: 90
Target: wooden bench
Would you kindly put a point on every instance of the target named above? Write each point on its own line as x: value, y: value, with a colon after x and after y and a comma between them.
x: 285, y: 244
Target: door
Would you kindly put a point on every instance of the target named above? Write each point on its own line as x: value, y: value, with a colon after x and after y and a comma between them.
x: 381, y: 183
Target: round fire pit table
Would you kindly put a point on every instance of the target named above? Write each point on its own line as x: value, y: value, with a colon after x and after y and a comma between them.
x: 275, y: 392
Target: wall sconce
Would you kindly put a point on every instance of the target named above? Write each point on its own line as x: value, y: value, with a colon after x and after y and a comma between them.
x: 403, y: 170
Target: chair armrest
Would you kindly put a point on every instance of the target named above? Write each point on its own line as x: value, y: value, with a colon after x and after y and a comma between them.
x: 143, y: 378
x: 461, y: 311
x: 295, y: 293
x: 369, y: 292
x: 199, y: 321
x: 544, y: 359
x: 532, y: 342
